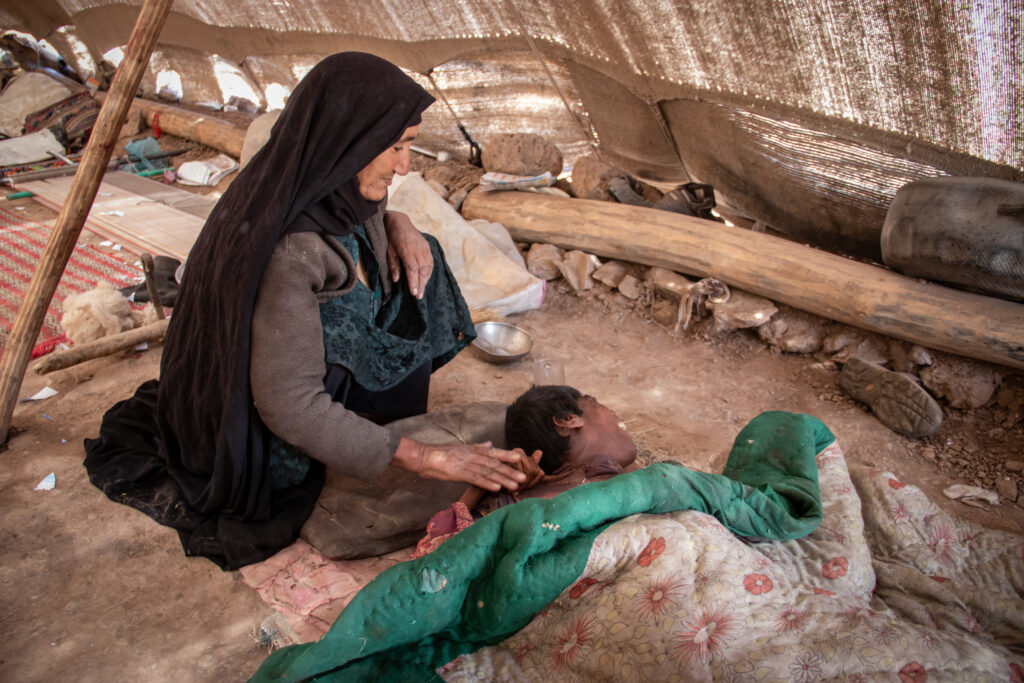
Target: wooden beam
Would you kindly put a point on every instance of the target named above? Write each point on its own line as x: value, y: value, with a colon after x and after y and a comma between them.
x: 72, y: 216
x: 202, y: 128
x: 863, y: 295
x: 58, y: 360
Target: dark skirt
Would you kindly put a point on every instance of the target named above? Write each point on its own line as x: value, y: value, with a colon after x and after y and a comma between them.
x: 134, y: 460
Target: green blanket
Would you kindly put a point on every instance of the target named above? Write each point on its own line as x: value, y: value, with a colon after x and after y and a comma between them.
x: 489, y: 581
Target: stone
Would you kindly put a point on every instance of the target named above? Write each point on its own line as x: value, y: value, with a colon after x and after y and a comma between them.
x: 132, y: 123
x: 542, y: 261
x: 453, y: 174
x: 243, y: 104
x: 630, y: 288
x: 169, y: 92
x: 846, y: 342
x: 522, y: 154
x: 590, y: 178
x: 921, y: 356
x: 1010, y: 397
x: 611, y: 273
x: 1014, y: 465
x: 1007, y: 489
x: 794, y: 331
x: 668, y: 283
x: 899, y: 356
x: 440, y: 189
x: 577, y: 268
x: 964, y: 383
x: 742, y: 310
x: 458, y: 196
x: 928, y: 453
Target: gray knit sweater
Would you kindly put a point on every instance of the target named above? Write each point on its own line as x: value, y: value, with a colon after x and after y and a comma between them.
x: 287, y: 363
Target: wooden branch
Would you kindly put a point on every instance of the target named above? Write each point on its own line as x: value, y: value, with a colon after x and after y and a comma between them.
x: 202, y: 128
x: 58, y: 360
x: 837, y: 288
x: 154, y: 296
x: 72, y: 216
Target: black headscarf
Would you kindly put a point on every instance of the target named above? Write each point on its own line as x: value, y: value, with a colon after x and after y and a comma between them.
x: 210, y: 443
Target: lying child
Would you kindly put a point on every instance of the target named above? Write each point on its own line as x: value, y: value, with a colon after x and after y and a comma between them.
x: 574, y: 437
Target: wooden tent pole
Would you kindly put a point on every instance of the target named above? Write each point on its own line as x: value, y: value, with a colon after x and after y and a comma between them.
x: 72, y: 215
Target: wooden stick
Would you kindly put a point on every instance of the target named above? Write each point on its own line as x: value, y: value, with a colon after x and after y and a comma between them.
x: 58, y: 360
x: 471, y: 496
x: 837, y: 288
x: 154, y: 296
x: 72, y: 216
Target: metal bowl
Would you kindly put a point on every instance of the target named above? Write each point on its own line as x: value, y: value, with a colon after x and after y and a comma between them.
x: 498, y: 342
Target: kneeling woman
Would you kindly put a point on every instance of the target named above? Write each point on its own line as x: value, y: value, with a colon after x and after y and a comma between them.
x: 308, y: 316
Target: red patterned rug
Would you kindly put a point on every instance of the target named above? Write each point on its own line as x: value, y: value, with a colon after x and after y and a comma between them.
x: 21, y: 245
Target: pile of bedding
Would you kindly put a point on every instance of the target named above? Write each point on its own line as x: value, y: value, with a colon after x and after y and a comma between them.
x: 670, y: 574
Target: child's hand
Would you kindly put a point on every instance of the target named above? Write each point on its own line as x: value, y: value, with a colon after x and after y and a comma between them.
x: 530, y: 466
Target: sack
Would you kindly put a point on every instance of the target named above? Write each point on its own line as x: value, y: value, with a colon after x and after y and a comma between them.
x: 964, y: 231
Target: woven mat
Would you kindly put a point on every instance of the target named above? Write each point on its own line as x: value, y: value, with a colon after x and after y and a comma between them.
x: 21, y: 245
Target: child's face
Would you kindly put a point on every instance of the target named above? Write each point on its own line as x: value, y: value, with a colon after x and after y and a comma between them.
x: 601, y: 437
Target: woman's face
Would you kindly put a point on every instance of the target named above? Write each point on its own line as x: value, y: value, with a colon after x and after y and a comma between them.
x: 375, y: 179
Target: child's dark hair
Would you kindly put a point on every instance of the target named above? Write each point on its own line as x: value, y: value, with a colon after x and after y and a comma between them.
x: 529, y: 424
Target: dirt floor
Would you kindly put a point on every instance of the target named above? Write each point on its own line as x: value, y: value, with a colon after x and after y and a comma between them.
x: 93, y: 590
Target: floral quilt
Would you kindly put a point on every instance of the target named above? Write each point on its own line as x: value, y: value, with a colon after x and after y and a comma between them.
x: 889, y: 587
x: 785, y: 567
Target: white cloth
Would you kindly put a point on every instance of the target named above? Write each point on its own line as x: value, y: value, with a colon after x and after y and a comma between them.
x: 489, y: 277
x: 29, y: 148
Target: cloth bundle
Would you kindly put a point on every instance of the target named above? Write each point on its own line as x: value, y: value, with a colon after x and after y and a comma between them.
x: 72, y: 119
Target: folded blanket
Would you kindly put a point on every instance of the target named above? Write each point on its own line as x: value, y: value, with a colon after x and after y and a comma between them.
x: 492, y: 578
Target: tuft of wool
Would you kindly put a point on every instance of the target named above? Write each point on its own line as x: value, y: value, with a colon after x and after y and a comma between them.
x: 96, y: 314
x: 146, y: 316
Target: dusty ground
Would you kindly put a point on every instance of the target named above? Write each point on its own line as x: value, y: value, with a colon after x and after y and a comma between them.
x: 93, y: 590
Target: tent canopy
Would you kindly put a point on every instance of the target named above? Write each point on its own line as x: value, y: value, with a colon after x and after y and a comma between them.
x: 806, y: 116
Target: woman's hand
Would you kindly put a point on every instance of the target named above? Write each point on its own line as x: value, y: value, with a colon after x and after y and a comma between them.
x: 477, y: 464
x: 407, y: 247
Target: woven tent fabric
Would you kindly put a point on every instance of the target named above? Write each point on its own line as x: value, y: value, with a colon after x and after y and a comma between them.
x: 804, y: 115
x: 21, y: 245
